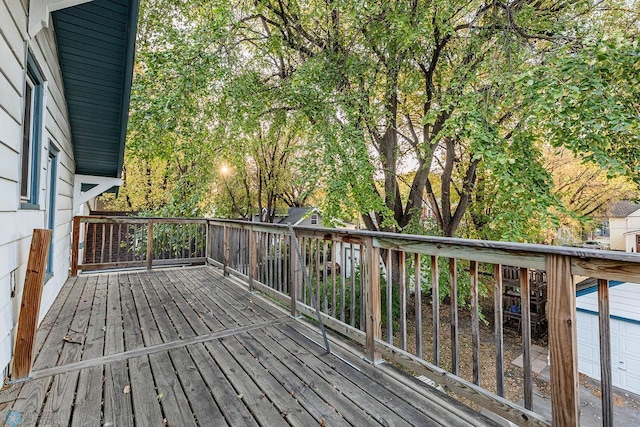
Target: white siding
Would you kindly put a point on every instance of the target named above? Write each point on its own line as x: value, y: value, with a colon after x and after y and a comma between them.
x: 625, y: 336
x: 624, y: 301
x: 17, y: 224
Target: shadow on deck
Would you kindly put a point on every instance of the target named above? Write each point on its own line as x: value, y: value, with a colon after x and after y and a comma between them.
x: 190, y: 347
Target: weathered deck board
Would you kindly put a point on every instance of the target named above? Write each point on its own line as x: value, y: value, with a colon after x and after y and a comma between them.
x: 266, y: 373
x: 173, y: 400
x: 91, y: 379
x: 117, y: 400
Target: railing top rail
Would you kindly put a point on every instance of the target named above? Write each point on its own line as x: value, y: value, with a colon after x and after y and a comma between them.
x: 138, y: 220
x: 390, y: 240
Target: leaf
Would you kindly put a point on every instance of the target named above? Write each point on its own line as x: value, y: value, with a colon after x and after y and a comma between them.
x: 160, y: 396
x: 127, y: 389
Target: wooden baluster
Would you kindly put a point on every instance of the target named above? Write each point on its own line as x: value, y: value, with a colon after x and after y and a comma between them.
x: 325, y: 278
x: 605, y: 352
x: 207, y: 242
x: 317, y: 275
x: 93, y: 243
x: 525, y: 319
x: 352, y: 308
x: 269, y: 254
x: 343, y: 266
x: 435, y: 301
x: 475, y: 321
x: 103, y: 242
x: 75, y: 242
x: 453, y: 307
x: 363, y: 324
x: 402, y: 293
x: 303, y: 267
x: 111, y: 243
x: 389, y: 277
x: 253, y: 260
x: 563, y: 344
x: 287, y: 279
x: 227, y: 250
x: 417, y: 293
x: 150, y: 245
x: 119, y: 242
x: 334, y: 260
x: 295, y: 279
x: 498, y: 321
x: 372, y: 301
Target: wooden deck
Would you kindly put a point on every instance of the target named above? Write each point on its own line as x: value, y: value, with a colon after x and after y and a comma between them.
x: 188, y: 347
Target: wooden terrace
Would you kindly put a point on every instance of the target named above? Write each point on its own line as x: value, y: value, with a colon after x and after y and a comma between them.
x: 188, y: 346
x: 232, y: 339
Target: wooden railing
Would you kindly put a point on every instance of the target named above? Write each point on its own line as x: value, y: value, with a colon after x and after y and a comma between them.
x: 368, y: 287
x: 101, y: 242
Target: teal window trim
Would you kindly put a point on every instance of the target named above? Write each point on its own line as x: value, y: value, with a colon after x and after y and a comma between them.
x: 32, y: 136
x: 52, y: 192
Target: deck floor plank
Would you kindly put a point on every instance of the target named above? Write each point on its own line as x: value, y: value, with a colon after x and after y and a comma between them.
x: 88, y: 403
x: 294, y: 386
x: 144, y: 394
x: 172, y: 397
x: 314, y: 391
x: 445, y: 410
x: 222, y: 391
x: 63, y: 388
x: 117, y: 395
x: 205, y: 409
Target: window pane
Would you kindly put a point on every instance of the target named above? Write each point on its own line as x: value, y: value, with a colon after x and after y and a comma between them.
x: 26, y: 141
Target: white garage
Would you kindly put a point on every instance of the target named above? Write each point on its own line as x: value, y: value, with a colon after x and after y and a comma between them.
x: 625, y: 334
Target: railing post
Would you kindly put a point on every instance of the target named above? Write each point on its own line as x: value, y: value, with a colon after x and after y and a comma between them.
x: 150, y: 245
x: 372, y: 302
x: 563, y: 346
x: 605, y: 352
x: 253, y: 258
x: 227, y: 250
x: 295, y: 277
x: 30, y: 307
x: 75, y: 248
x: 525, y: 323
x: 207, y: 243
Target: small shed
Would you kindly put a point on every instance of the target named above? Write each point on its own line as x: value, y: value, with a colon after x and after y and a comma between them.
x: 625, y: 334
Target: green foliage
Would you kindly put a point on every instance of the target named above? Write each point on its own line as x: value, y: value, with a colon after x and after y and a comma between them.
x: 587, y: 100
x: 376, y: 109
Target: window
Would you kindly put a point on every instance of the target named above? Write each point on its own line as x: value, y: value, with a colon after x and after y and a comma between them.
x: 31, y: 135
x: 314, y: 219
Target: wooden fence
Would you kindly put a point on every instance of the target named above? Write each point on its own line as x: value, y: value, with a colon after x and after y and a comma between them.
x: 368, y: 287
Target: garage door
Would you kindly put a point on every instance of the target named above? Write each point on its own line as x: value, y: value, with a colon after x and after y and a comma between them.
x: 625, y: 351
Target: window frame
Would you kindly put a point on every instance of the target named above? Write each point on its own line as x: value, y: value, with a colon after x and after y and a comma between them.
x: 33, y: 121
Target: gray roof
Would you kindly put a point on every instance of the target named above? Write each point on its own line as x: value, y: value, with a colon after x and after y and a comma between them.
x: 96, y: 45
x: 623, y: 209
x: 295, y: 215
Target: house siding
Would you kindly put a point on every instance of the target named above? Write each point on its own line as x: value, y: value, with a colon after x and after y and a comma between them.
x: 18, y: 224
x: 619, y: 226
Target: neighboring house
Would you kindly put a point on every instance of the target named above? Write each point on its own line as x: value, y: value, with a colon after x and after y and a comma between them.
x: 624, y: 226
x: 625, y: 334
x: 65, y: 78
x: 306, y: 217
